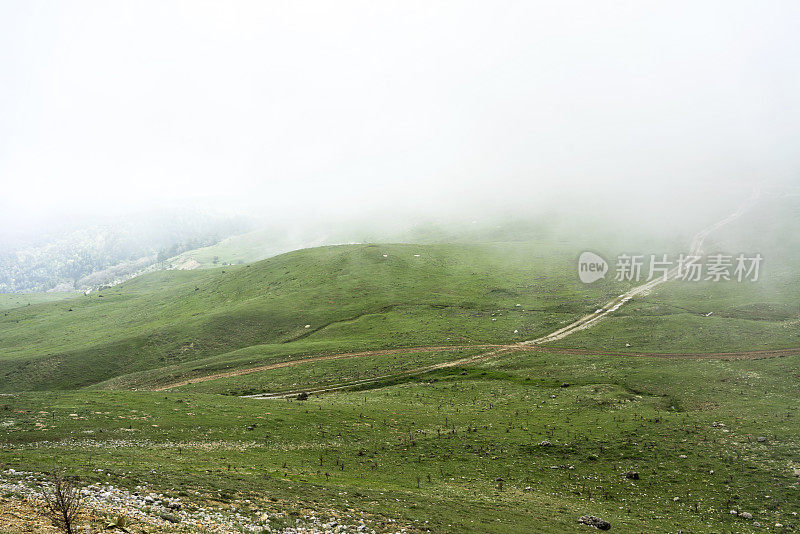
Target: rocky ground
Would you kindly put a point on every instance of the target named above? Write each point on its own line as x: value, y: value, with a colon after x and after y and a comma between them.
x: 149, y: 511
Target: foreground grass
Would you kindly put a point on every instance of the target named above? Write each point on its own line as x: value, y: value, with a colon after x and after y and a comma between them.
x: 432, y: 448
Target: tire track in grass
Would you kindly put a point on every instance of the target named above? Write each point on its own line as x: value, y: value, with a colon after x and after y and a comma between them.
x: 385, y: 378
x: 324, y: 357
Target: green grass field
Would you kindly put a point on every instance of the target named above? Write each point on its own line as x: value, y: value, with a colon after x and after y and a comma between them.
x: 350, y: 296
x: 523, y: 441
x: 432, y: 448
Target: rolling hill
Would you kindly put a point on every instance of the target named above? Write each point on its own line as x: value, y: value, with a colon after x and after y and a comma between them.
x: 358, y: 296
x: 424, y: 414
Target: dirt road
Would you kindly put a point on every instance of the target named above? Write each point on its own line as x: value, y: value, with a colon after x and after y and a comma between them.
x: 300, y: 361
x: 695, y: 249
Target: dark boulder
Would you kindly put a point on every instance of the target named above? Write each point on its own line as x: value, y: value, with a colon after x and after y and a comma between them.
x: 595, y: 522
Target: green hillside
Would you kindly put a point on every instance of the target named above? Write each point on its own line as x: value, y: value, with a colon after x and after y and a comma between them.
x: 243, y: 248
x: 10, y: 301
x: 424, y: 414
x: 359, y: 296
x: 173, y: 325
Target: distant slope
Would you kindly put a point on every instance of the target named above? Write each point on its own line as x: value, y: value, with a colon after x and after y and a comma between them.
x: 235, y: 250
x: 9, y: 301
x: 350, y: 296
x: 100, y: 251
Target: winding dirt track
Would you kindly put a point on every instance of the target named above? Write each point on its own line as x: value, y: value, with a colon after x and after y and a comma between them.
x: 300, y: 361
x: 695, y: 249
x: 496, y: 350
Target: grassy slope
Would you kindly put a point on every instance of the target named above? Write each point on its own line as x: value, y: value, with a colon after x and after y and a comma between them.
x: 170, y: 325
x: 432, y: 447
x: 243, y: 248
x: 351, y: 296
x: 9, y: 301
x: 422, y: 448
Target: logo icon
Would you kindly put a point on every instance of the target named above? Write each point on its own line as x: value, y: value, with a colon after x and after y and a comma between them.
x: 591, y: 267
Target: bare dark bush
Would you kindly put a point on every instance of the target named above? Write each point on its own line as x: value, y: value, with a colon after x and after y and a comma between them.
x: 62, y: 502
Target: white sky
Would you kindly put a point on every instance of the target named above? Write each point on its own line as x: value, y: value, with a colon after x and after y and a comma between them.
x: 307, y: 105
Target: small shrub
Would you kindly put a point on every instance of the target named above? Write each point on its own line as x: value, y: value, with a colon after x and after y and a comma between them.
x: 62, y: 502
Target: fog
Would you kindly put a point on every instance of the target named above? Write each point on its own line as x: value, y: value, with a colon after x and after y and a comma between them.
x: 332, y: 110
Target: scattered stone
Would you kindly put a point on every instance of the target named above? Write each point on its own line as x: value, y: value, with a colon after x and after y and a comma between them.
x: 170, y: 517
x: 157, y: 513
x: 595, y: 522
x: 745, y: 515
x: 544, y: 443
x: 761, y: 439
